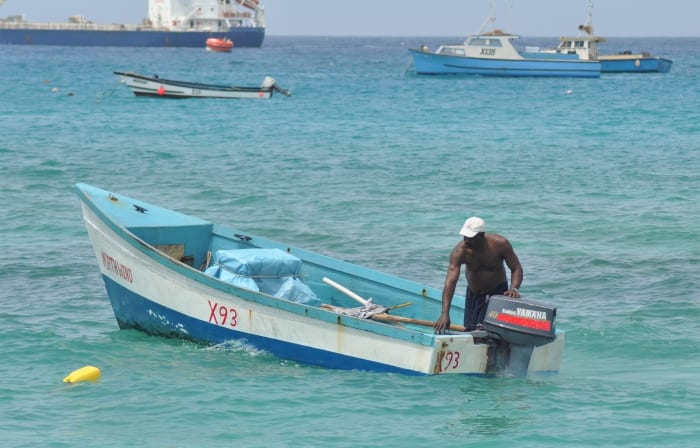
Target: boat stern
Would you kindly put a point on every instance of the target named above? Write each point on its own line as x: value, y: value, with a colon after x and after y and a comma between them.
x: 459, y: 353
x: 634, y: 63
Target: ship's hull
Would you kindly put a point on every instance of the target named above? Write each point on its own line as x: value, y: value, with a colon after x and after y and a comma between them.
x: 242, y: 37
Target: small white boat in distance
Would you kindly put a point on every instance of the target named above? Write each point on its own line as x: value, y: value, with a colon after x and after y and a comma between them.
x: 158, y: 87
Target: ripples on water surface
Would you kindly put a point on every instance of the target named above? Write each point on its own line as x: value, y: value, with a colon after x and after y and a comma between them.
x: 597, y: 190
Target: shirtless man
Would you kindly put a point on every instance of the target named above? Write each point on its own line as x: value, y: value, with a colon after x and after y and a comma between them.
x: 483, y: 256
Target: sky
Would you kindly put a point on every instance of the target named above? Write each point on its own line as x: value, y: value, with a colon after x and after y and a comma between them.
x: 611, y: 18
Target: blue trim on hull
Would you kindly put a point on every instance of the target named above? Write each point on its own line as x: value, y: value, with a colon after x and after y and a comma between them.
x: 520, y: 71
x: 135, y: 311
x: 242, y: 37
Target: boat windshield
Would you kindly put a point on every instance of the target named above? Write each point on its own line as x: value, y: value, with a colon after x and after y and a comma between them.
x: 482, y: 42
x: 574, y: 44
x: 452, y: 51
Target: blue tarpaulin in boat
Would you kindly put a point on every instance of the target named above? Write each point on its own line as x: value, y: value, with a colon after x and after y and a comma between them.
x: 271, y: 271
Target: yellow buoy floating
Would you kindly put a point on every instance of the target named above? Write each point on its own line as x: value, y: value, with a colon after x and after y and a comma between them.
x: 87, y: 373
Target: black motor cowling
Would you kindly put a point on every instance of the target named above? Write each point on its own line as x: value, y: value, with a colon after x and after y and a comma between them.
x: 520, y: 322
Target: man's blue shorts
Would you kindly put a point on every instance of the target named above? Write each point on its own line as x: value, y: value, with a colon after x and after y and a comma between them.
x: 475, y: 310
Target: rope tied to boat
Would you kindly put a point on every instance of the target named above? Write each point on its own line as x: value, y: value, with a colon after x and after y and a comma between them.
x: 362, y: 312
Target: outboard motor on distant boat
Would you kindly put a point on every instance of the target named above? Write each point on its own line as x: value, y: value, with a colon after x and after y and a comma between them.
x: 269, y: 82
x: 515, y: 327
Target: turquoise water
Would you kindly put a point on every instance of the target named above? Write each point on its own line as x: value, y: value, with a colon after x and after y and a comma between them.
x: 595, y: 182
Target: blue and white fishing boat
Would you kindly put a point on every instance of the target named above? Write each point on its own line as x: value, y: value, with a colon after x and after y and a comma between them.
x: 493, y: 53
x: 629, y: 62
x: 175, y: 275
x: 585, y: 46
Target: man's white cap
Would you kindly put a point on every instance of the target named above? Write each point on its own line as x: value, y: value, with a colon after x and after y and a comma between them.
x: 472, y: 226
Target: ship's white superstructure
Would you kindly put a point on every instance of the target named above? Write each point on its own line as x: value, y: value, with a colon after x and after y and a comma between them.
x: 170, y: 23
x: 205, y: 15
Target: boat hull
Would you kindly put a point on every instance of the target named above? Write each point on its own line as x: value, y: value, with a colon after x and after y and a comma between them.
x: 586, y: 48
x: 243, y: 37
x: 219, y: 45
x: 163, y: 88
x: 634, y: 64
x: 155, y: 292
x: 428, y: 63
x: 134, y: 311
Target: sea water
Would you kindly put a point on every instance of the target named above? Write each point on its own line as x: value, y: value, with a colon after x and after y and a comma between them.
x: 594, y: 181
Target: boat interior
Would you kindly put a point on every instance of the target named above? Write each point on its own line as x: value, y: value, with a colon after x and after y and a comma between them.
x: 209, y: 249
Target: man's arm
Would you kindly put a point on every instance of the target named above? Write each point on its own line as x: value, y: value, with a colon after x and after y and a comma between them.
x: 448, y: 290
x: 516, y: 271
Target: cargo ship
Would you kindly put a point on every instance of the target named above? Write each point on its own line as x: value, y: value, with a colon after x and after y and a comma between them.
x: 170, y: 23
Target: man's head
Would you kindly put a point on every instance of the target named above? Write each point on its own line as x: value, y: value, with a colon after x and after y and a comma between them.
x: 472, y: 227
x: 473, y: 232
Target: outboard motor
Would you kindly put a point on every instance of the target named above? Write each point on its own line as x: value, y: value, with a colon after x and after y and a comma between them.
x: 268, y: 82
x: 515, y: 328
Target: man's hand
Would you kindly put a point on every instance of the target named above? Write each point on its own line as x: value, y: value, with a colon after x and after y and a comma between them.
x: 442, y: 324
x: 514, y: 293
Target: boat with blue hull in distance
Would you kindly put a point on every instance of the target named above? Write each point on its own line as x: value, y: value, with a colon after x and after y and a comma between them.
x: 493, y: 54
x: 170, y: 23
x: 585, y: 46
x: 156, y: 86
x: 628, y: 62
x: 178, y: 276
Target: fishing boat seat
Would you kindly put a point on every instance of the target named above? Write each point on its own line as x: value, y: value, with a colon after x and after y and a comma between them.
x: 270, y: 271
